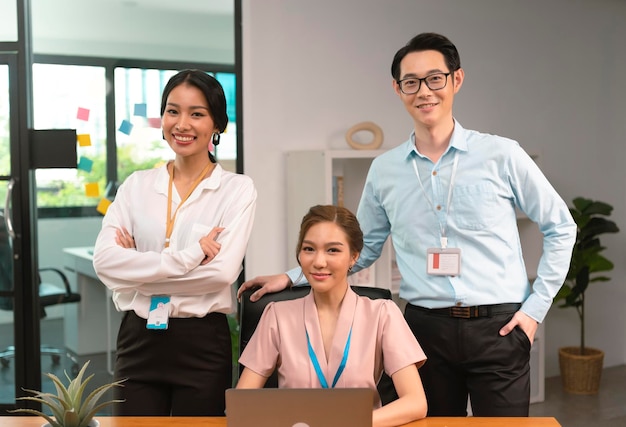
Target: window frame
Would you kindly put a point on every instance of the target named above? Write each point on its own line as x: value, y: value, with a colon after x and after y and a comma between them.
x: 109, y: 65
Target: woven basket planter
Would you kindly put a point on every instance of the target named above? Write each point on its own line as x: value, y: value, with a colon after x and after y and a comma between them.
x: 581, y: 373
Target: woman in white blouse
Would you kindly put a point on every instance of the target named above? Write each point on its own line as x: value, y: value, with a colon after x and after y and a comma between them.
x: 170, y: 248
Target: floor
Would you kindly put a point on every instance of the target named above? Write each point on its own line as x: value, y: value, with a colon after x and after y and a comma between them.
x: 606, y: 409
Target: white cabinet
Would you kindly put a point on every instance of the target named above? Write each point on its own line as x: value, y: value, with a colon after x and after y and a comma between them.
x: 312, y: 179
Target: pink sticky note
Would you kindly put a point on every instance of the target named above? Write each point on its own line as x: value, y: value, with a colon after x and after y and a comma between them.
x: 154, y: 122
x: 83, y: 114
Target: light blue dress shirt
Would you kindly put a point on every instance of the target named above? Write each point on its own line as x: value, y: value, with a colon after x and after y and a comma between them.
x: 494, y: 176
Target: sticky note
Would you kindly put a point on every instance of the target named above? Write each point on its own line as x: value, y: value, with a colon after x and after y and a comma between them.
x: 126, y: 127
x: 91, y: 189
x: 154, y: 122
x: 103, y: 206
x: 141, y: 110
x: 85, y: 164
x: 82, y: 114
x: 84, y: 139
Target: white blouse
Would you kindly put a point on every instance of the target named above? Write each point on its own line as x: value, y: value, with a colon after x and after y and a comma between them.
x: 224, y: 199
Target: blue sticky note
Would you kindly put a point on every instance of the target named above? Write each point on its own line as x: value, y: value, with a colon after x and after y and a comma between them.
x: 141, y: 110
x: 126, y: 127
x: 85, y: 164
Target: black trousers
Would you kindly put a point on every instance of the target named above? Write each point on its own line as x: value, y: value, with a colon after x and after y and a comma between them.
x: 469, y: 357
x: 181, y: 371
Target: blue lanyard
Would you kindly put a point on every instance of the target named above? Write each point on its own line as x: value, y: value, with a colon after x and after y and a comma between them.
x: 316, y: 364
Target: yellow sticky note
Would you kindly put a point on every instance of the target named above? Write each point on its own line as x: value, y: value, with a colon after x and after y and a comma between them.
x: 103, y: 206
x: 92, y: 190
x: 84, y: 139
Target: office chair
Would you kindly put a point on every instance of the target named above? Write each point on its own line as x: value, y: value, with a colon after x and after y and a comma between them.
x: 250, y: 314
x: 49, y: 294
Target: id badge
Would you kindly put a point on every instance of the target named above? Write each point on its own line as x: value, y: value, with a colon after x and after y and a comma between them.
x: 443, y: 262
x: 159, y: 312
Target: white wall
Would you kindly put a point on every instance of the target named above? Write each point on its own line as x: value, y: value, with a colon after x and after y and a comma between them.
x: 549, y: 74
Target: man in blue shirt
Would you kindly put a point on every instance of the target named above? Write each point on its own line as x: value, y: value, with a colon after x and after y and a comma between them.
x: 448, y: 199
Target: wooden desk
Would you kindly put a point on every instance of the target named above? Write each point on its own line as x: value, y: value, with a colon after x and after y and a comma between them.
x: 221, y: 422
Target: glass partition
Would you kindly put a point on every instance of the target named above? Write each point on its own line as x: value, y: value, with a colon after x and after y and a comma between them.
x: 92, y: 77
x: 72, y: 97
x: 5, y: 157
x: 8, y: 21
x: 7, y: 332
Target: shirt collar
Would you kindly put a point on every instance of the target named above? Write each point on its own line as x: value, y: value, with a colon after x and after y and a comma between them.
x: 212, y: 182
x: 457, y: 141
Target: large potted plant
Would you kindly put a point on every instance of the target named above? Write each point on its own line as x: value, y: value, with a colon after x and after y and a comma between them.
x: 581, y: 366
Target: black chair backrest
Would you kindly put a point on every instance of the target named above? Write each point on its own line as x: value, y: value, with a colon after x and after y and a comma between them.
x: 250, y: 314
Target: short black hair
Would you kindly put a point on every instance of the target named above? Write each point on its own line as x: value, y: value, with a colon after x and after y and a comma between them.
x: 427, y: 41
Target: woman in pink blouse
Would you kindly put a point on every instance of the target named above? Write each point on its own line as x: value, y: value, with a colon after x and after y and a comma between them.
x: 333, y: 337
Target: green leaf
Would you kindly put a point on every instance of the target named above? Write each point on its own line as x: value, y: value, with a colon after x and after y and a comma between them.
x: 90, y: 402
x: 591, y: 208
x: 62, y: 393
x: 71, y: 419
x: 77, y: 387
x: 97, y: 408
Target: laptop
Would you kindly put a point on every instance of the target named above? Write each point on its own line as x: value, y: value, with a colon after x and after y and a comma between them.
x: 289, y: 407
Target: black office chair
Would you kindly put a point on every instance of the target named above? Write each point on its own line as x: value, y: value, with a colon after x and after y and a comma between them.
x: 250, y: 314
x: 49, y: 294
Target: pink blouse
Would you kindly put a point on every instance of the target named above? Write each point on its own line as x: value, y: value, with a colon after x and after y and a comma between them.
x: 381, y: 339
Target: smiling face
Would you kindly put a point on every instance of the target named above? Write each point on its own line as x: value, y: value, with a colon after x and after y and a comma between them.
x: 325, y: 257
x: 429, y: 108
x: 187, y: 123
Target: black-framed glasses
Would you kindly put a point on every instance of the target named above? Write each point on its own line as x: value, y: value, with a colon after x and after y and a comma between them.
x: 411, y: 85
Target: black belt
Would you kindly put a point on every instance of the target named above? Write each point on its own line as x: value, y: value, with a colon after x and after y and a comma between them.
x: 470, y: 312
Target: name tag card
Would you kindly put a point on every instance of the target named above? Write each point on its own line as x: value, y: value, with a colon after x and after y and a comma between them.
x: 443, y: 262
x: 159, y: 312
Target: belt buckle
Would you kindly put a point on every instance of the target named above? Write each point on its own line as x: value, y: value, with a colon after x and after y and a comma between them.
x: 462, y: 312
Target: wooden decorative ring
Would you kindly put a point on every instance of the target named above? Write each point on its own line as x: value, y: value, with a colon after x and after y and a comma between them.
x: 365, y: 126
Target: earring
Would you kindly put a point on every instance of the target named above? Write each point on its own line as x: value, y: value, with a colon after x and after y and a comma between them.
x: 215, y: 139
x: 350, y: 268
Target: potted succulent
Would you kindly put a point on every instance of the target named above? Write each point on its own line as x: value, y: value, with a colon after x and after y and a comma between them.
x: 68, y: 407
x: 581, y: 366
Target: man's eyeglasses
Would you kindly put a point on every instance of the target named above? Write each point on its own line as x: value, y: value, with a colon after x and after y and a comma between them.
x: 412, y: 85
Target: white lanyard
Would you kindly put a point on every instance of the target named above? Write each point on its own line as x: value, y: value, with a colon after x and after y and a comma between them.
x: 444, y: 239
